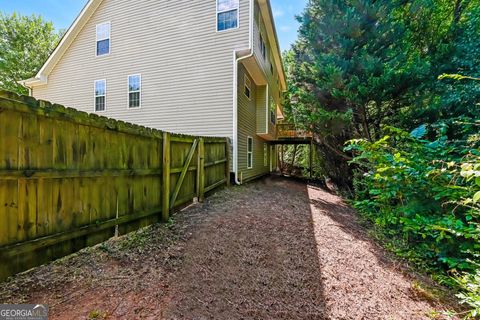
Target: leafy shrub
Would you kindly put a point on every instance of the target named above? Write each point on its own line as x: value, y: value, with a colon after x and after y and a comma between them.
x: 470, y: 292
x: 427, y: 194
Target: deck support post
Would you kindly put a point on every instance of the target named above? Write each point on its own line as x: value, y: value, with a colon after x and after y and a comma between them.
x: 310, y: 160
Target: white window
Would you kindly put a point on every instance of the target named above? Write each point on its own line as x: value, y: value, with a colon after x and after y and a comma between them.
x: 227, y: 14
x: 249, y: 152
x: 247, y: 90
x: 100, y: 95
x: 103, y: 39
x: 265, y: 154
x: 273, y: 112
x: 134, y: 91
x: 271, y: 64
x: 263, y: 47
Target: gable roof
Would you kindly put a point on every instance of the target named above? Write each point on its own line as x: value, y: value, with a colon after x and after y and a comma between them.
x: 89, y: 9
x: 42, y: 76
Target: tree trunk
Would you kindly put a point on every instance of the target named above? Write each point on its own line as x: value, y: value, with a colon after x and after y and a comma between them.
x: 281, y: 159
x: 366, y: 128
x: 293, y: 158
x: 457, y: 12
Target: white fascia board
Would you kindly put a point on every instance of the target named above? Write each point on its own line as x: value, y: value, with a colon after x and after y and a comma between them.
x: 85, y: 15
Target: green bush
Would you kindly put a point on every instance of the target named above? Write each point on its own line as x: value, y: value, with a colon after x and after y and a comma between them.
x: 427, y: 195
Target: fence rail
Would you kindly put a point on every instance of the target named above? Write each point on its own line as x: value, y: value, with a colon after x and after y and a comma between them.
x: 69, y: 179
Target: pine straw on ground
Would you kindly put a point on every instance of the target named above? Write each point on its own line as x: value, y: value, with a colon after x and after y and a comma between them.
x: 272, y: 249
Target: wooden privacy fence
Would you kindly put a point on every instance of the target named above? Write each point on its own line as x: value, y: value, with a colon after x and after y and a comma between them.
x: 69, y: 179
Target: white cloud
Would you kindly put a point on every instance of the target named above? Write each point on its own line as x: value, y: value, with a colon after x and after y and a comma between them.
x: 278, y: 13
x: 285, y: 28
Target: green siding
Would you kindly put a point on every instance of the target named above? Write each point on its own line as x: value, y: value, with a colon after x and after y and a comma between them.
x: 247, y: 124
x: 261, y: 98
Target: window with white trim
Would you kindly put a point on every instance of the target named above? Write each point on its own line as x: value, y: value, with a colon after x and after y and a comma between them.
x: 103, y: 39
x: 265, y: 154
x: 247, y: 87
x: 100, y: 95
x: 271, y: 65
x: 273, y: 115
x: 134, y: 91
x: 263, y: 47
x: 227, y: 14
x: 249, y: 152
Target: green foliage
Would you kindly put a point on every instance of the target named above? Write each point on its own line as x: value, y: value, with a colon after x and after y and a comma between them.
x: 25, y: 44
x: 426, y: 193
x: 470, y: 295
x: 362, y: 65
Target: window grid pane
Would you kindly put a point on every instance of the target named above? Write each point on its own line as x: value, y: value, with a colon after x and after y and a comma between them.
x: 247, y: 87
x: 225, y: 5
x: 134, y: 89
x: 100, y: 88
x: 103, y: 38
x: 100, y: 95
x: 103, y: 31
x: 273, y: 119
x: 247, y: 92
x: 263, y: 48
x: 133, y: 83
x: 100, y: 103
x: 227, y: 20
x: 103, y: 47
x: 134, y: 99
x: 273, y: 116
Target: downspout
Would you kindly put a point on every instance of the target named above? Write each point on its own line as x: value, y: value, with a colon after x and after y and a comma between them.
x: 30, y: 89
x: 235, y: 93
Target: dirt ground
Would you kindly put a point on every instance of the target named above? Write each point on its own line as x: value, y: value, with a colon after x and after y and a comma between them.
x: 272, y: 249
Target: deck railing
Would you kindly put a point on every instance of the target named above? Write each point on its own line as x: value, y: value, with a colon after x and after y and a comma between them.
x: 290, y: 131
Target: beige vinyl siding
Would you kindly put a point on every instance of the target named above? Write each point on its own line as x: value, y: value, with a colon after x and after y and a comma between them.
x: 185, y: 64
x: 247, y: 124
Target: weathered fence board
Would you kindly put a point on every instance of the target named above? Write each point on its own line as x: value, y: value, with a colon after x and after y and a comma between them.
x: 70, y: 180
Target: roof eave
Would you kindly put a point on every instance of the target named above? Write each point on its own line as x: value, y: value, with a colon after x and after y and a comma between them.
x: 34, y: 82
x: 270, y: 24
x: 68, y: 38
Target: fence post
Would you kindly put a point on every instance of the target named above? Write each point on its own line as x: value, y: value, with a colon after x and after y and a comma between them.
x: 201, y: 170
x: 310, y: 159
x: 166, y: 177
x: 227, y: 164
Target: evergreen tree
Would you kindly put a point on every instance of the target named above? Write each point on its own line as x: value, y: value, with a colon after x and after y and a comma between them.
x: 360, y: 65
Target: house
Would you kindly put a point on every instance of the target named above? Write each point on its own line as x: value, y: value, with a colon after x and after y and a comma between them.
x: 200, y: 67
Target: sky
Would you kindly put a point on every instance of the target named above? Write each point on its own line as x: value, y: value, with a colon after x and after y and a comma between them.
x: 63, y: 12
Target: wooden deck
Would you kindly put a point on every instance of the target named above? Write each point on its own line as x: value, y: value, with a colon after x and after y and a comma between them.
x: 288, y: 134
